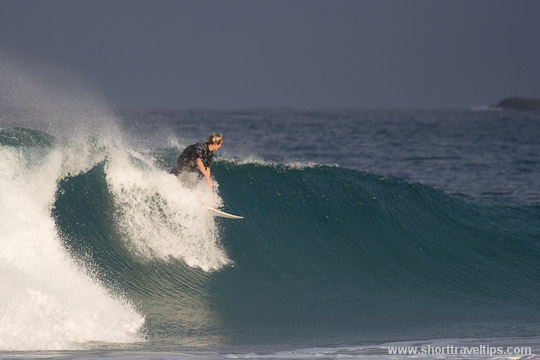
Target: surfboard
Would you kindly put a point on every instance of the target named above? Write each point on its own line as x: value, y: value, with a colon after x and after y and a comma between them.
x: 222, y: 213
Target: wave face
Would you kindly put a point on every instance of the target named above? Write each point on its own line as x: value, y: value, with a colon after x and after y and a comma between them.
x: 338, y: 254
x: 112, y: 249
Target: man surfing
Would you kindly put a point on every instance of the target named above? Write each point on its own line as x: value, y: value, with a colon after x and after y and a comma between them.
x: 197, y: 158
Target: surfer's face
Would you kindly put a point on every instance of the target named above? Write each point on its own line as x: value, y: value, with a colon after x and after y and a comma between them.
x: 214, y: 147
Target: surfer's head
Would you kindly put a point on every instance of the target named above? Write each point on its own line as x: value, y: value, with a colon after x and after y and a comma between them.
x: 214, y: 141
x: 214, y: 138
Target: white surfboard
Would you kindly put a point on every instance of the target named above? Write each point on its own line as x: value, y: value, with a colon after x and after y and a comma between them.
x: 222, y: 213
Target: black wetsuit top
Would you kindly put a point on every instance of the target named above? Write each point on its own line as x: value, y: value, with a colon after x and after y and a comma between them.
x: 187, y: 159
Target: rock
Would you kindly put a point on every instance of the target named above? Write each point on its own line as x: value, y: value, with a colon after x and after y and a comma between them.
x: 519, y: 103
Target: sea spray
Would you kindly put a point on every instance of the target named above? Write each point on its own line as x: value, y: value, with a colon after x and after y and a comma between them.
x: 158, y: 216
x: 161, y: 217
x: 49, y: 300
x: 61, y: 103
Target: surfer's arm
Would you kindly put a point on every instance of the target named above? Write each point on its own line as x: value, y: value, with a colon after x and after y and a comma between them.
x: 204, y: 171
x: 209, y: 178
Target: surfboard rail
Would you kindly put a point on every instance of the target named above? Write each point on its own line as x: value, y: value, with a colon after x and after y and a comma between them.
x: 221, y: 213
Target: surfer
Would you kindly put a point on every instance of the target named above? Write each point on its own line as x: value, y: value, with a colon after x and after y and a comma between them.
x: 197, y: 158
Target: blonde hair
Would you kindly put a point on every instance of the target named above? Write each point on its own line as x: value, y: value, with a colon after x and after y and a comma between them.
x: 214, y: 138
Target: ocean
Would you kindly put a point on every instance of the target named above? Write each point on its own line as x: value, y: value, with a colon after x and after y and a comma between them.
x: 363, y: 230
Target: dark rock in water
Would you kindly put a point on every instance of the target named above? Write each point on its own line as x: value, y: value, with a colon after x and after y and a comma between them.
x: 519, y: 103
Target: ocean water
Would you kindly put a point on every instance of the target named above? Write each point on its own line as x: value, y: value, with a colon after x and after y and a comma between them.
x: 363, y: 229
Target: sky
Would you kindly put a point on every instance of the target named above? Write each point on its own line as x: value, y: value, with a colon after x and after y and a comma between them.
x: 309, y: 54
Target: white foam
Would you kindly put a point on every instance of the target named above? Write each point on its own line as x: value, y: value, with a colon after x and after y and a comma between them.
x: 47, y: 301
x: 162, y: 218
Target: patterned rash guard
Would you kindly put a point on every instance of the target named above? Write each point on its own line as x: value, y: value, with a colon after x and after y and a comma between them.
x: 187, y: 159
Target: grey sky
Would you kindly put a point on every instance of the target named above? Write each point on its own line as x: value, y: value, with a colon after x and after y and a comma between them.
x: 306, y: 54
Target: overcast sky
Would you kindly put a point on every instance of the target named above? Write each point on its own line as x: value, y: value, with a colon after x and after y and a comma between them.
x: 304, y: 54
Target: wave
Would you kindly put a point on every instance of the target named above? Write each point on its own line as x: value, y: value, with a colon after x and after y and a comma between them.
x: 322, y: 250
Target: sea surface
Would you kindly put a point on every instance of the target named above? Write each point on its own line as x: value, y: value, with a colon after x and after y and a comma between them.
x: 363, y: 229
